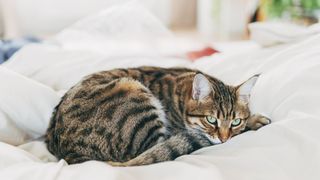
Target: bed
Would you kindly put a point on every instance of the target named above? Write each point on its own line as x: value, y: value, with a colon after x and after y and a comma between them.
x: 35, y: 78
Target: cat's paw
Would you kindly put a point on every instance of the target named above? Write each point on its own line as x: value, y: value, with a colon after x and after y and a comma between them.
x: 257, y: 121
x: 117, y: 164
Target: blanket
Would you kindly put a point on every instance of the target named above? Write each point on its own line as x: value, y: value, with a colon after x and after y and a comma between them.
x: 287, y: 91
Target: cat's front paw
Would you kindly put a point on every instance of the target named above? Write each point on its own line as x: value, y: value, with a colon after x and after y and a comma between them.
x: 256, y: 121
x: 117, y: 164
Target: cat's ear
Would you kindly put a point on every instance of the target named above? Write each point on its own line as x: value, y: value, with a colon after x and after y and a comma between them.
x: 244, y: 89
x: 201, y: 87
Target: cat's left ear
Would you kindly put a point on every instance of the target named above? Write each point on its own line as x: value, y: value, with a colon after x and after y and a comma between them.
x: 244, y: 89
x: 201, y: 87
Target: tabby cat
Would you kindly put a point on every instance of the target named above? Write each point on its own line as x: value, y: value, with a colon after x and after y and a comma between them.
x: 139, y: 116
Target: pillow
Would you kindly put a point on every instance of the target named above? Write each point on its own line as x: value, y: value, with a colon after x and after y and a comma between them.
x: 46, y: 17
x: 128, y: 21
x: 25, y: 107
x: 128, y: 29
x: 273, y: 33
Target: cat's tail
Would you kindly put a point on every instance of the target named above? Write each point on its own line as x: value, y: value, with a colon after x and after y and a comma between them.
x: 170, y: 149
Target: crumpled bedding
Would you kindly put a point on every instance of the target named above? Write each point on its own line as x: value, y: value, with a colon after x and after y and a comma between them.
x: 9, y: 47
x: 287, y: 92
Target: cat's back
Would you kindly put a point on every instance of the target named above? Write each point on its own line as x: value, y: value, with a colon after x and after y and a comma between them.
x: 145, y: 74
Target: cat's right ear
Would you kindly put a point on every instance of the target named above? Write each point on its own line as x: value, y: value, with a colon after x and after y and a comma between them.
x: 201, y: 87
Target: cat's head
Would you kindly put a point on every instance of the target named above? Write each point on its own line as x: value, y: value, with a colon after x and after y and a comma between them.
x: 219, y: 110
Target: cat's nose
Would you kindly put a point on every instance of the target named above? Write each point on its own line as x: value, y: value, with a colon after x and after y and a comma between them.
x: 223, y: 135
x: 223, y: 138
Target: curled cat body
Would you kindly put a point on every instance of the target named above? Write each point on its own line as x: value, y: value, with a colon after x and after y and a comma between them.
x: 145, y: 115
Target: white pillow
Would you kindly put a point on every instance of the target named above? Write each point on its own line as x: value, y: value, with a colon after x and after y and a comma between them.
x: 125, y: 22
x: 273, y: 33
x: 128, y: 29
x: 46, y: 17
x: 25, y: 107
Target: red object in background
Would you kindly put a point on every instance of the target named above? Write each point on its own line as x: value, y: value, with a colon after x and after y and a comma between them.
x: 194, y: 55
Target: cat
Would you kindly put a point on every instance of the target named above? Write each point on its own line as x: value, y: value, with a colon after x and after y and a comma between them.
x: 145, y: 115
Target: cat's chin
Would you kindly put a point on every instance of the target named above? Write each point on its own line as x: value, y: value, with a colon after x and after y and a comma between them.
x: 213, y: 140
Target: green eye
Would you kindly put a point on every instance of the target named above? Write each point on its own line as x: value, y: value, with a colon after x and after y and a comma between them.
x: 211, y: 119
x: 236, y: 122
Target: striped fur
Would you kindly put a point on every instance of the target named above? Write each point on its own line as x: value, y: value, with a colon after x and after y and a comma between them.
x: 143, y: 115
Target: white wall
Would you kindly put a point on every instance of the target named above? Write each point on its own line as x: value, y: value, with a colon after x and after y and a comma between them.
x: 1, y: 21
x: 224, y: 19
x: 183, y: 14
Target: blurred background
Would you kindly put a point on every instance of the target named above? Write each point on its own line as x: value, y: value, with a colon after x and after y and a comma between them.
x: 217, y: 20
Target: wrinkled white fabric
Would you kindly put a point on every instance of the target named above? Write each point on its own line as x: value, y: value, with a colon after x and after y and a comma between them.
x: 279, y: 32
x: 25, y: 107
x: 287, y: 91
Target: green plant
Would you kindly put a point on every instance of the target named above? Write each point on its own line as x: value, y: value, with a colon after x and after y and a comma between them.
x: 276, y: 8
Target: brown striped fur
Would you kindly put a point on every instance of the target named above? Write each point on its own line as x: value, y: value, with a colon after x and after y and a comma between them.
x: 145, y: 115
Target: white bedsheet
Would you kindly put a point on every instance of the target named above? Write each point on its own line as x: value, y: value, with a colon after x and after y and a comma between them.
x: 287, y: 92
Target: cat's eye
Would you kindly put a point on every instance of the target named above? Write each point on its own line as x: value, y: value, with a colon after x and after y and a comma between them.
x: 211, y: 120
x: 236, y: 122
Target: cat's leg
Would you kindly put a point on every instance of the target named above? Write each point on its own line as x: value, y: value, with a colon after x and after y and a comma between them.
x: 74, y: 158
x: 170, y: 149
x: 257, y: 121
